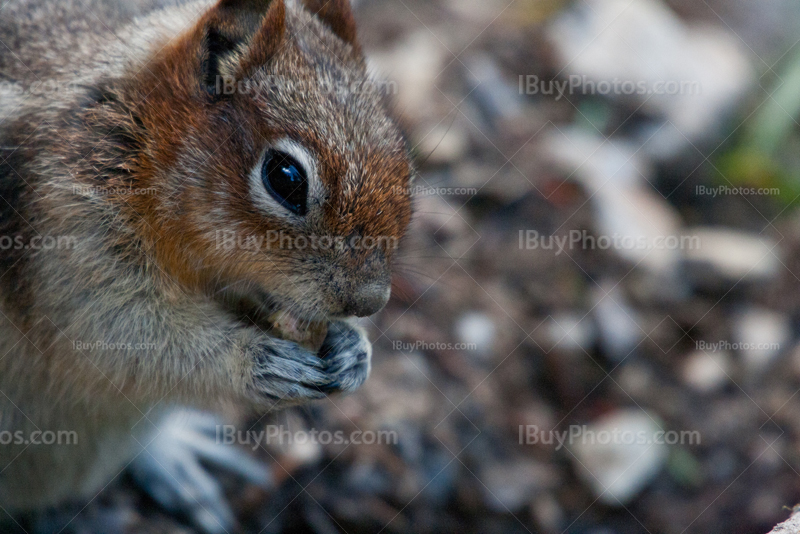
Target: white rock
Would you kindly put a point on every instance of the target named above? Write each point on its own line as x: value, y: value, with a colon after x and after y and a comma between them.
x: 691, y: 76
x: 478, y: 330
x: 790, y: 526
x: 633, y: 219
x: 760, y: 336
x: 616, y: 455
x: 736, y: 256
x: 595, y: 161
x: 617, y: 322
x: 707, y: 371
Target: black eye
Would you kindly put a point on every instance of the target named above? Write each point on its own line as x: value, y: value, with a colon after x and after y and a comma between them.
x: 285, y: 179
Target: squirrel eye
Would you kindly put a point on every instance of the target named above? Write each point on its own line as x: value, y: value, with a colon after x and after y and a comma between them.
x: 286, y: 181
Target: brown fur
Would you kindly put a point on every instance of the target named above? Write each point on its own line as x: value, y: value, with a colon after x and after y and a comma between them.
x: 145, y: 267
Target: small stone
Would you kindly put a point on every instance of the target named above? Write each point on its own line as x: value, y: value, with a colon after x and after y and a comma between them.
x: 707, y: 371
x: 632, y: 220
x: 616, y: 456
x: 617, y: 322
x: 760, y: 336
x: 716, y: 253
x: 688, y: 77
x: 790, y: 526
x: 476, y: 331
x: 596, y: 162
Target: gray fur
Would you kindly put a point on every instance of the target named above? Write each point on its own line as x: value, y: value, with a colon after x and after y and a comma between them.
x: 61, y: 309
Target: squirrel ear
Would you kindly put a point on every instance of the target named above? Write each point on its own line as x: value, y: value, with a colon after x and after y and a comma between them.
x: 338, y: 16
x: 240, y: 35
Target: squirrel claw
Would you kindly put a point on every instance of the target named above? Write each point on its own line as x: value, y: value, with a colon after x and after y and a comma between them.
x: 170, y: 470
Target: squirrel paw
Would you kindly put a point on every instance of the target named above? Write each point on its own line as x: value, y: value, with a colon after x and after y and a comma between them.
x: 170, y: 470
x: 346, y: 354
x: 285, y: 371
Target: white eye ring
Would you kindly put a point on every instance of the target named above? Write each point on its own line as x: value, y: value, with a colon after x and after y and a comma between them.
x: 261, y: 197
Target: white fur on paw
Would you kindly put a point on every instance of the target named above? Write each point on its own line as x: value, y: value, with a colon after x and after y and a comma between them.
x: 170, y: 470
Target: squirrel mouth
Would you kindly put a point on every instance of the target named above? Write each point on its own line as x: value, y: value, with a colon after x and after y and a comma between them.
x: 259, y: 309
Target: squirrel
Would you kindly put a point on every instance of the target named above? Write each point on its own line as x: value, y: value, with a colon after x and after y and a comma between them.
x: 144, y: 147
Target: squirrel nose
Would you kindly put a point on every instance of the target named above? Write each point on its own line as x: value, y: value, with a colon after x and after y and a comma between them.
x: 368, y: 299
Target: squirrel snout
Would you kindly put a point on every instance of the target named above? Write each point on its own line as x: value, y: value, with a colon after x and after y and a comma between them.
x: 369, y: 299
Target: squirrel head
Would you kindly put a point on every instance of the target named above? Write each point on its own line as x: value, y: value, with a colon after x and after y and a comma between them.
x: 277, y: 173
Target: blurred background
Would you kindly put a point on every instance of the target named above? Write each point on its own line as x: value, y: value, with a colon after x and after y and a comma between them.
x: 605, y: 246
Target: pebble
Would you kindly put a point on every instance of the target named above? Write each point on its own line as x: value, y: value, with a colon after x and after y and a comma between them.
x: 717, y: 255
x: 619, y: 462
x: 760, y: 336
x: 706, y: 372
x: 632, y: 219
x: 476, y: 330
x: 594, y: 160
x: 617, y: 322
x: 701, y: 71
